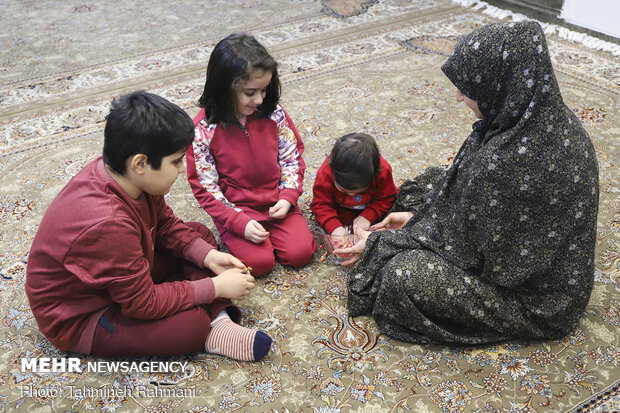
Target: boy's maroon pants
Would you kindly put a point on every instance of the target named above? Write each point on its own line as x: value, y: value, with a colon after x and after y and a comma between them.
x: 181, y: 333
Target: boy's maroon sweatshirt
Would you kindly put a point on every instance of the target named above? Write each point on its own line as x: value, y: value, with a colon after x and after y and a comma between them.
x: 95, y: 247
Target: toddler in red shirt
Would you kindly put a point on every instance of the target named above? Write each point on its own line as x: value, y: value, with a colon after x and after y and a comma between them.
x: 354, y: 186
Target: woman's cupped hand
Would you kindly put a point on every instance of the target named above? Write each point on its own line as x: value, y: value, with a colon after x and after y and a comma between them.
x: 395, y: 220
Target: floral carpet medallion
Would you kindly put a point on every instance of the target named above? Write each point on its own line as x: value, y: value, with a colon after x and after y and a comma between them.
x: 371, y: 66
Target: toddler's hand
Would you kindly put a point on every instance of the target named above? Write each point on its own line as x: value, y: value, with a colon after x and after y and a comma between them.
x: 255, y: 232
x: 280, y: 209
x: 233, y: 284
x: 218, y: 261
x: 340, y: 231
x: 360, y: 224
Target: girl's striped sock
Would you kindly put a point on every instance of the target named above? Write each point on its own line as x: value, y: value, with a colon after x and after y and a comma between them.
x: 232, y: 340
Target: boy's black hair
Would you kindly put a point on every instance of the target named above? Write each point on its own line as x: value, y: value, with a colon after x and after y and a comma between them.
x: 145, y: 123
x: 355, y: 161
x: 233, y: 61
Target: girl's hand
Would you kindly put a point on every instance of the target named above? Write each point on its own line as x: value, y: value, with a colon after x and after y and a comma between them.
x: 233, y: 284
x: 219, y: 262
x: 355, y: 251
x: 360, y: 224
x: 340, y: 231
x: 395, y: 220
x: 255, y: 232
x: 280, y: 209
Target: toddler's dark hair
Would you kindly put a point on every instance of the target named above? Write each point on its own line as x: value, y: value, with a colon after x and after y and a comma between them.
x: 141, y: 122
x: 355, y: 161
x: 233, y: 61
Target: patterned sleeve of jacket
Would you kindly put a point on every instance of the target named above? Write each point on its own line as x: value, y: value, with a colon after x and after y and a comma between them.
x: 290, y: 149
x: 203, y: 179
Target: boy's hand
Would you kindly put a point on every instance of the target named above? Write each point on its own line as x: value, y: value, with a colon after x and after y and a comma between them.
x: 360, y: 224
x: 255, y: 232
x: 280, y: 209
x: 395, y: 220
x: 219, y: 262
x: 233, y: 284
x: 340, y: 231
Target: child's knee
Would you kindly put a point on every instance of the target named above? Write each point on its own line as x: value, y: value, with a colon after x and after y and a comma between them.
x: 298, y: 257
x: 261, y: 263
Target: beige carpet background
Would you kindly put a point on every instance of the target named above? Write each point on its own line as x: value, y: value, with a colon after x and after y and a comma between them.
x: 346, y: 65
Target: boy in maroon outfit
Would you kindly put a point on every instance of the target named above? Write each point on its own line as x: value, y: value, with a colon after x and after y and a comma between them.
x: 354, y: 186
x: 112, y: 271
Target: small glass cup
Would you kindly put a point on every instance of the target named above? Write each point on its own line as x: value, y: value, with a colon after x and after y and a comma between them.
x: 341, y: 241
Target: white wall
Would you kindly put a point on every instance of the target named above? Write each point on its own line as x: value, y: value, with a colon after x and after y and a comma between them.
x: 600, y: 15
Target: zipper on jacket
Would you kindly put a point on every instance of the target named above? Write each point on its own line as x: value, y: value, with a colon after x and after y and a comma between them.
x: 247, y: 140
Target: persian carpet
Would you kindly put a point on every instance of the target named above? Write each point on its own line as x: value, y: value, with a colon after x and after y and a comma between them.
x: 346, y: 65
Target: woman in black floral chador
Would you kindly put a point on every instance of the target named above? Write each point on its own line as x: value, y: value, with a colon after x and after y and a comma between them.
x: 501, y: 245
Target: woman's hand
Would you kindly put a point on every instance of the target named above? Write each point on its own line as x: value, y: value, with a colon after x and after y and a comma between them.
x: 219, y: 262
x: 354, y: 252
x: 280, y: 209
x: 233, y: 284
x: 395, y: 220
x: 255, y: 232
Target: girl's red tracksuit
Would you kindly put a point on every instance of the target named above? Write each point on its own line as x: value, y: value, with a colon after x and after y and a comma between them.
x: 237, y: 174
